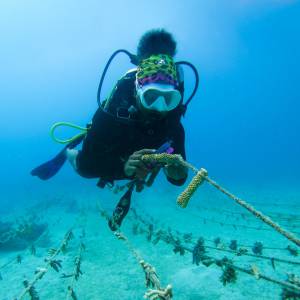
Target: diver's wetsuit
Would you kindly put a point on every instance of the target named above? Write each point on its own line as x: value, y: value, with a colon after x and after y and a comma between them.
x: 111, y: 139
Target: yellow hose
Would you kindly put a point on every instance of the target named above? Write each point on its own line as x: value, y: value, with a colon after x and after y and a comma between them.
x: 66, y: 124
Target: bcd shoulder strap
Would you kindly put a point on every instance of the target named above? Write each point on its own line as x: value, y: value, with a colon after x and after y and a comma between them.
x: 122, y: 95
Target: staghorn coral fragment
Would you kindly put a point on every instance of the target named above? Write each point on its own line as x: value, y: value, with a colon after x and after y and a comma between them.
x: 229, y: 273
x: 288, y: 294
x: 257, y: 248
x: 55, y: 264
x: 164, y: 158
x: 199, y: 251
x: 178, y: 247
x: 241, y: 251
x: 233, y: 245
x: 31, y: 290
x: 52, y: 251
x: 151, y: 278
x: 228, y: 276
x: 165, y: 294
x: 184, y: 198
x: 255, y: 271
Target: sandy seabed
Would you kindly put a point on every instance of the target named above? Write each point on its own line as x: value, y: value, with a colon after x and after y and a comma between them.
x: 111, y: 272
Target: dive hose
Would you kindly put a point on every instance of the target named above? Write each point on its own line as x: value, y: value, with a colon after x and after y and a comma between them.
x: 70, y: 125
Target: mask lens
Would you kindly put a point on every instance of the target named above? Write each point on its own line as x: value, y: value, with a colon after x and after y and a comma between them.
x: 168, y: 98
x: 151, y: 95
x: 160, y: 99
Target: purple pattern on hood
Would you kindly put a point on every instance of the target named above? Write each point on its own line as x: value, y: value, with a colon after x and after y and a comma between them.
x: 158, y: 78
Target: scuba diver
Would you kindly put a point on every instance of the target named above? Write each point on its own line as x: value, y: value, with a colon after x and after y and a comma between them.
x: 141, y: 116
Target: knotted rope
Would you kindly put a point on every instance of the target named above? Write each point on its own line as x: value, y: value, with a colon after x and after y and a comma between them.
x: 201, y: 175
x: 151, y: 277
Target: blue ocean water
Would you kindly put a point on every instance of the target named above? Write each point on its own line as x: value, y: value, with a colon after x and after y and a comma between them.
x: 243, y: 127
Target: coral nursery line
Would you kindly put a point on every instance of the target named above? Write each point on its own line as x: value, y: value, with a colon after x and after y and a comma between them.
x: 234, y: 247
x: 235, y: 225
x: 199, y: 178
x: 76, y: 271
x: 290, y: 288
x: 19, y: 258
x: 278, y: 216
x: 220, y: 244
x: 181, y: 243
x: 155, y: 290
x: 50, y: 261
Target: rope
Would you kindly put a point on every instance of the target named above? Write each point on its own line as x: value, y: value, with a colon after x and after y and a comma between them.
x: 76, y: 272
x: 251, y: 272
x: 256, y: 213
x: 151, y: 277
x: 235, y: 225
x: 163, y: 233
x: 201, y: 175
x: 67, y: 124
x: 188, y: 236
x: 276, y: 216
x: 40, y: 272
x: 168, y: 238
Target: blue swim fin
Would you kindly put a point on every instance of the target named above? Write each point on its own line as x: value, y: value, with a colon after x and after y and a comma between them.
x: 48, y: 169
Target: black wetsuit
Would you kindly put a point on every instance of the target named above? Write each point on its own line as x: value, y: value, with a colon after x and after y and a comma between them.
x: 118, y: 130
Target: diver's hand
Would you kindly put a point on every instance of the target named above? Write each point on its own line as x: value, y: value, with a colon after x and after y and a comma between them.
x: 135, y: 166
x: 176, y: 171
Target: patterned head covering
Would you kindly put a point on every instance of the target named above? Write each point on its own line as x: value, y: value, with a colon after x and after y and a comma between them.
x: 158, y: 68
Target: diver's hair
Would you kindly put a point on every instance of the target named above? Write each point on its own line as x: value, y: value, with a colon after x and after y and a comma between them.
x: 156, y: 41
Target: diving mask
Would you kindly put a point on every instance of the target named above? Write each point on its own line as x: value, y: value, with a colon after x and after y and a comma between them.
x: 159, y: 97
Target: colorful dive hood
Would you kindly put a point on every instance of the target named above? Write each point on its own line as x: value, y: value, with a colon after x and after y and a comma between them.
x: 157, y: 83
x: 157, y: 69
